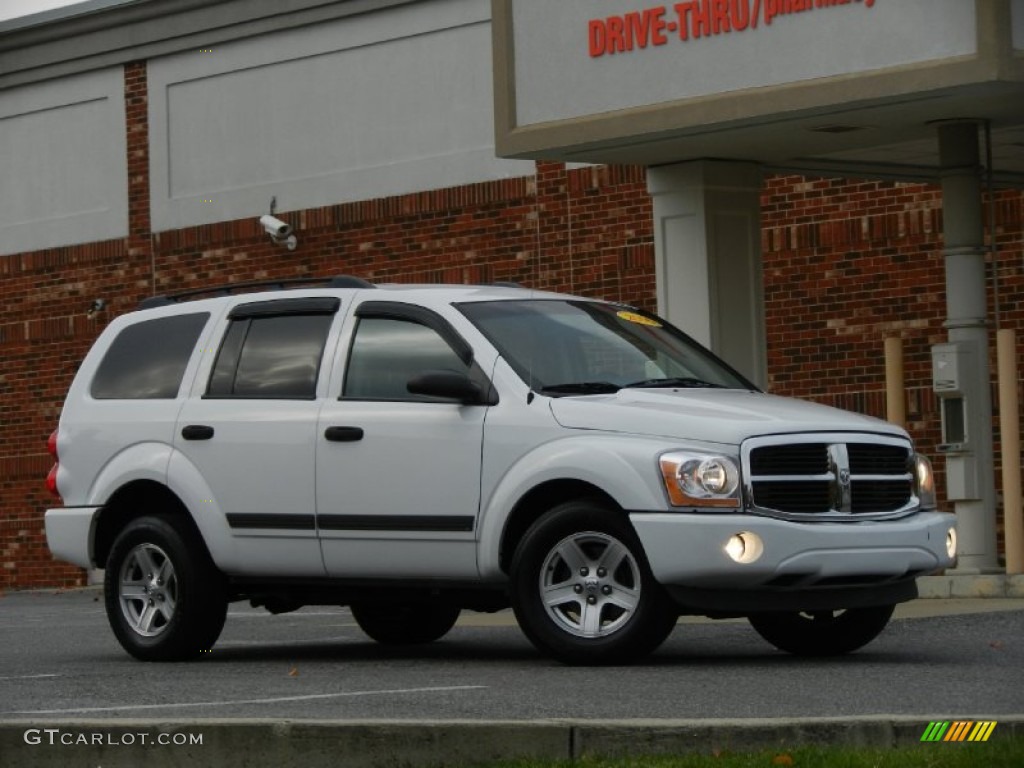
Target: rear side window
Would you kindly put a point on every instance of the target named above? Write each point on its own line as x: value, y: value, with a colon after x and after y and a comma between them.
x: 273, y: 350
x: 147, y: 360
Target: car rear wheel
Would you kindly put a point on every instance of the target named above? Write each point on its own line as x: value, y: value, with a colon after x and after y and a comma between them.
x: 582, y: 590
x: 822, y: 633
x: 405, y: 623
x: 165, y: 598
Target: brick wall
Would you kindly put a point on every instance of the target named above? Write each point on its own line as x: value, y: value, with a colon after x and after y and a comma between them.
x: 846, y: 264
x: 850, y: 263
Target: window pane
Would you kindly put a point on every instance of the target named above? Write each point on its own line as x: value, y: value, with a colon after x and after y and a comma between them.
x: 147, y: 360
x: 386, y: 353
x: 222, y: 379
x: 552, y: 342
x: 281, y: 356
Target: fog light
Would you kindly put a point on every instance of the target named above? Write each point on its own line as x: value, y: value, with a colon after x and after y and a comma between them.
x: 951, y: 543
x: 744, y: 547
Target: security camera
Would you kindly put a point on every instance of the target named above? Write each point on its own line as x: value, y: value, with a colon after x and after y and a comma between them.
x: 276, y: 228
x: 97, y: 306
x: 280, y: 232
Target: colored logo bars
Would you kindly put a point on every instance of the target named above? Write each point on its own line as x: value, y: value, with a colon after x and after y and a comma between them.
x: 959, y: 730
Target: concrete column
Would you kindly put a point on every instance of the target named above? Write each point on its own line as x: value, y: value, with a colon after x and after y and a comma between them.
x: 969, y: 471
x: 707, y: 240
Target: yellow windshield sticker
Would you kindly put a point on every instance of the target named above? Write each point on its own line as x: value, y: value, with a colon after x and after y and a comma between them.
x: 633, y: 317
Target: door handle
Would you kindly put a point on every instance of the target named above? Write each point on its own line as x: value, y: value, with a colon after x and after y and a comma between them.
x: 197, y: 432
x: 343, y: 434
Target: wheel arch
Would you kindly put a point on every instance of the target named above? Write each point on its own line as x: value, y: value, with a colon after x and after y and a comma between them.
x: 538, y: 501
x: 135, y: 499
x: 620, y: 471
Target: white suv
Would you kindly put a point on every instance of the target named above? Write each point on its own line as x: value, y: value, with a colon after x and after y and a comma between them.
x: 412, y: 451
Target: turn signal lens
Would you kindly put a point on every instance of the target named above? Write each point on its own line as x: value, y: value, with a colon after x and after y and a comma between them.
x: 951, y: 543
x: 924, y: 482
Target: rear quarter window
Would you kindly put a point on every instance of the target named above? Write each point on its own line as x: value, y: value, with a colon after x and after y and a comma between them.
x: 147, y: 360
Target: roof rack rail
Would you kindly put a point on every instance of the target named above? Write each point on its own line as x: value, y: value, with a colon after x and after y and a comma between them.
x: 337, y: 281
x: 506, y: 284
x: 349, y: 281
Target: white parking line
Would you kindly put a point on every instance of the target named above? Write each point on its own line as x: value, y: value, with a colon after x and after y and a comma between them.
x: 221, y: 644
x: 276, y: 700
x: 27, y: 677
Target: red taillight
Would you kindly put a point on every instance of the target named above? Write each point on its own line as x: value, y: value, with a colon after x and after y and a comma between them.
x: 51, y: 478
x: 51, y: 481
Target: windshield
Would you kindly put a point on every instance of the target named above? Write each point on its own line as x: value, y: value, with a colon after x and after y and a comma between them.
x: 572, y: 347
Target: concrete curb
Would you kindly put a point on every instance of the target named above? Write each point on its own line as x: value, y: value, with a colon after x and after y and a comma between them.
x: 973, y: 585
x: 327, y: 744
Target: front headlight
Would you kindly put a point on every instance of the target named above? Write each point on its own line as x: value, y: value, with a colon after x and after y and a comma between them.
x: 924, y: 482
x: 701, y: 480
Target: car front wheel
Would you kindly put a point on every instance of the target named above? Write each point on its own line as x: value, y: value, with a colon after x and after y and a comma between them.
x: 822, y: 633
x: 582, y: 590
x: 165, y: 598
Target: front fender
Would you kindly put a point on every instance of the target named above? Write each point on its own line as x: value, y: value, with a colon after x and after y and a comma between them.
x: 625, y: 468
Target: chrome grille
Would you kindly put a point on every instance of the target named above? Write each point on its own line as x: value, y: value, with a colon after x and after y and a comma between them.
x: 806, y: 459
x: 819, y: 476
x: 872, y: 459
x: 807, y: 498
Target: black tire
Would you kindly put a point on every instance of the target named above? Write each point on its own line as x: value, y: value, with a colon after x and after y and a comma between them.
x: 165, y: 599
x: 582, y: 590
x: 822, y: 633
x: 405, y: 623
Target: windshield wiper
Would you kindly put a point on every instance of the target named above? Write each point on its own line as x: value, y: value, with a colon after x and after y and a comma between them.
x: 581, y: 388
x: 688, y: 382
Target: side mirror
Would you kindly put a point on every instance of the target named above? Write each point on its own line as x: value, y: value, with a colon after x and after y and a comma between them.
x: 450, y: 385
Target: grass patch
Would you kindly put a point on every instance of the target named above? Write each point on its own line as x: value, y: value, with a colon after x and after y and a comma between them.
x: 1008, y: 753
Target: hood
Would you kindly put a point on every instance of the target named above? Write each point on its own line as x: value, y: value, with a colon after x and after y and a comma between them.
x: 708, y: 415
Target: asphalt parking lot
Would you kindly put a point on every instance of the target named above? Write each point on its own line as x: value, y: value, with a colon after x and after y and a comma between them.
x: 58, y: 659
x: 309, y: 689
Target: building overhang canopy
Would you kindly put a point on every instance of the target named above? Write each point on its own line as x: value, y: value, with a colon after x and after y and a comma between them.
x: 834, y: 87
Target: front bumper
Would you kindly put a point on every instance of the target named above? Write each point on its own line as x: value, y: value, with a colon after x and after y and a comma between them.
x: 69, y: 534
x: 688, y: 550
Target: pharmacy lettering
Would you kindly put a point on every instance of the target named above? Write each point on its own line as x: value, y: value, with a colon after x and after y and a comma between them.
x: 660, y: 25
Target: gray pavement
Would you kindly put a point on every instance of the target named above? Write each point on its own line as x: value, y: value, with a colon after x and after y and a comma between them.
x: 420, y: 744
x: 311, y: 678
